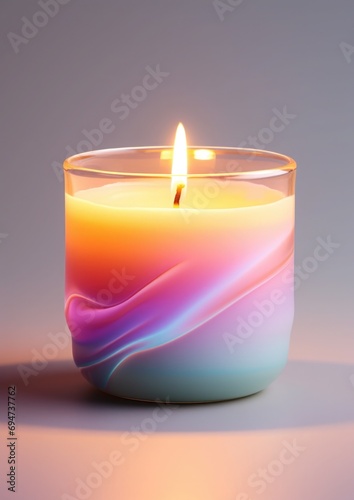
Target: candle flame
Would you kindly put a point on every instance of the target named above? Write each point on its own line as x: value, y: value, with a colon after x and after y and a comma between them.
x: 179, y: 162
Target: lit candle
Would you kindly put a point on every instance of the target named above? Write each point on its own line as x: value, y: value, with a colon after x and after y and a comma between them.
x: 179, y: 285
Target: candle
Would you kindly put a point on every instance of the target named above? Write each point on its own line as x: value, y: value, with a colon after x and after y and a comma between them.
x: 178, y: 285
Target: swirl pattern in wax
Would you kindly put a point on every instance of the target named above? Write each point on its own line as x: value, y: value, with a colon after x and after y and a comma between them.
x: 183, y: 304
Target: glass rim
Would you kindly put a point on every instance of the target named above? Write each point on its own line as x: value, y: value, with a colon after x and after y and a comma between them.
x: 71, y: 164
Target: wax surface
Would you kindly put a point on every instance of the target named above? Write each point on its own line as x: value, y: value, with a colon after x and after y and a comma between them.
x: 154, y: 292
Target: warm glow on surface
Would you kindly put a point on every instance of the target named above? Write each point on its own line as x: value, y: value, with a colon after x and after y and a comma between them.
x: 204, y: 154
x: 166, y: 154
x: 179, y: 163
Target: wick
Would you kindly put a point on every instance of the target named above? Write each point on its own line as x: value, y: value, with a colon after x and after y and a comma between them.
x: 178, y: 195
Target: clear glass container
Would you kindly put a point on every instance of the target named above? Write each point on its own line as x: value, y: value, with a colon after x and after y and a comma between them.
x: 189, y: 301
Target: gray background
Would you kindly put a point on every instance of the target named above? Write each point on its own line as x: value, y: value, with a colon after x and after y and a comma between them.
x: 227, y: 74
